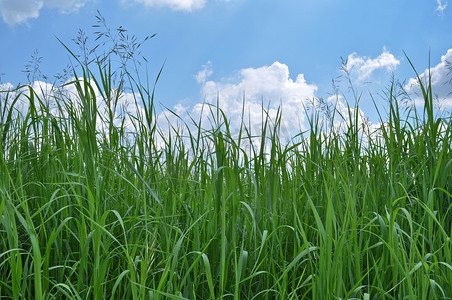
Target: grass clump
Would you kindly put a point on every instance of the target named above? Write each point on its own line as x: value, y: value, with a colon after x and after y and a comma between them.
x: 99, y: 206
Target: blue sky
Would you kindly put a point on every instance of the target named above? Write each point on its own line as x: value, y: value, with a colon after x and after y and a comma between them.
x: 279, y: 52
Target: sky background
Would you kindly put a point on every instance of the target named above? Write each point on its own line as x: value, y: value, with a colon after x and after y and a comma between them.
x: 279, y: 53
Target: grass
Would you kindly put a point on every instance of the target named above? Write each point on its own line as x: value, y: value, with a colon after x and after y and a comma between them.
x: 89, y: 211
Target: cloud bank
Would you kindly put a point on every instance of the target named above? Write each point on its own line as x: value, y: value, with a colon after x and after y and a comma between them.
x: 272, y: 88
x: 124, y: 111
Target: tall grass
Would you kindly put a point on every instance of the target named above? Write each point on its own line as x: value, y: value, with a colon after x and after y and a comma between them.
x: 89, y: 211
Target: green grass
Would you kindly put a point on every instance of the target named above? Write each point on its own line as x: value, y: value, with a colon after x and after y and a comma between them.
x: 100, y: 214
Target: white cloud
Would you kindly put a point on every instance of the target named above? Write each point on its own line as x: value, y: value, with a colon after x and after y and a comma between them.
x: 364, y: 67
x: 270, y: 86
x: 186, y: 5
x: 345, y: 116
x: 441, y: 78
x: 4, y: 87
x: 124, y: 112
x: 441, y: 6
x: 20, y: 11
x: 66, y: 6
x: 205, y: 73
x: 248, y: 94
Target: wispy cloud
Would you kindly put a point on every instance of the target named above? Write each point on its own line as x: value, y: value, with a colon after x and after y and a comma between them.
x: 206, y: 71
x: 184, y: 5
x: 441, y: 6
x: 20, y: 11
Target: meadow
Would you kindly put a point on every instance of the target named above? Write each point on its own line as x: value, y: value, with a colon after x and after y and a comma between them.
x: 92, y: 210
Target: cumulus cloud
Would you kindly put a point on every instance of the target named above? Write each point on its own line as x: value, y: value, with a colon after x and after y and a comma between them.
x: 185, y: 5
x: 20, y: 11
x: 253, y: 94
x: 267, y: 86
x: 441, y: 6
x: 441, y: 79
x: 364, y: 67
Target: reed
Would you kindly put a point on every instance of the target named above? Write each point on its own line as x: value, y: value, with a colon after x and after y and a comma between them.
x: 92, y: 209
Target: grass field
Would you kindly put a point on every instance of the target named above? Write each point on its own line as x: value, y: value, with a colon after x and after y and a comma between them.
x: 89, y: 211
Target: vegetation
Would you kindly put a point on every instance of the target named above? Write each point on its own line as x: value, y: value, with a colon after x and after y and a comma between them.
x: 92, y: 210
